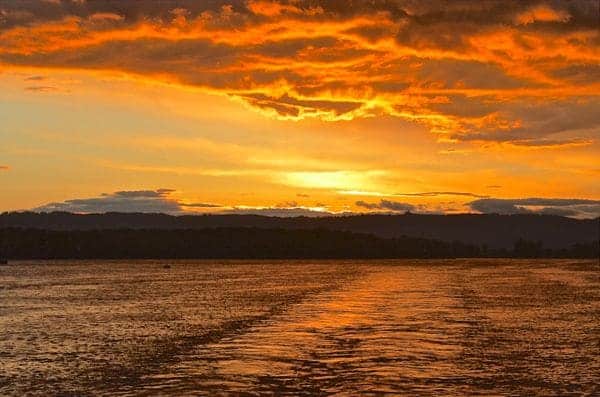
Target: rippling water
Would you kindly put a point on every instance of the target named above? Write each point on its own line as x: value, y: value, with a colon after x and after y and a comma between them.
x: 456, y: 327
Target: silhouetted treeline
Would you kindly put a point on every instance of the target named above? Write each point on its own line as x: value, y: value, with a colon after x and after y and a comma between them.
x: 494, y: 231
x: 249, y: 243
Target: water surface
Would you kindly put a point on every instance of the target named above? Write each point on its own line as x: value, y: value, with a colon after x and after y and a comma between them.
x: 454, y: 327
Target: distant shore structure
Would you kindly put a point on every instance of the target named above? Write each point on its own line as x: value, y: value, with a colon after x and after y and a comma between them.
x: 3, y: 261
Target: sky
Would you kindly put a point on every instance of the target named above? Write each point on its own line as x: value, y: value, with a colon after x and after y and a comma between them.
x: 300, y: 107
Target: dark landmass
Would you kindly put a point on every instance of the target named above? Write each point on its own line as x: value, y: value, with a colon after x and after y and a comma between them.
x: 252, y: 243
x: 491, y: 231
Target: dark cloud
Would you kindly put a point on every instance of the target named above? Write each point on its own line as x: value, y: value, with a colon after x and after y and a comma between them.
x: 583, y: 73
x: 139, y: 193
x: 303, y: 195
x: 149, y: 201
x: 27, y: 12
x: 451, y: 73
x: 387, y: 205
x: 533, y: 122
x: 558, y: 211
x: 286, y: 105
x: 577, y: 208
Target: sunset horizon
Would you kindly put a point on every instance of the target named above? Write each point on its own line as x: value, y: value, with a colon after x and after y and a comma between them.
x: 300, y: 106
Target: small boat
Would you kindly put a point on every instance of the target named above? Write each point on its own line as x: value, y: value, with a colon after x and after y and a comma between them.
x: 3, y: 261
x: 166, y: 266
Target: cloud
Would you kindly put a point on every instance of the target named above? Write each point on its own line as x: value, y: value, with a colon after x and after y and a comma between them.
x: 281, y: 212
x: 284, y: 209
x: 4, y: 167
x: 387, y: 205
x: 35, y: 78
x: 577, y: 208
x: 542, y: 13
x: 161, y: 201
x: 160, y: 193
x: 200, y: 205
x: 486, y: 71
x: 41, y: 88
x: 533, y: 122
x: 148, y: 201
x: 434, y: 194
x: 288, y: 204
x: 552, y: 143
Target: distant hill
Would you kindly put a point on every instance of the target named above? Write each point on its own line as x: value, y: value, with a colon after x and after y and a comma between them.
x: 491, y: 231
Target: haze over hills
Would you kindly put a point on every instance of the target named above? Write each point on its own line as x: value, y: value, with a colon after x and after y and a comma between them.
x: 493, y: 231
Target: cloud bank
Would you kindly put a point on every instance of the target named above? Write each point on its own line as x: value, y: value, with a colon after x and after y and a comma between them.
x: 521, y: 72
x: 282, y: 212
x: 387, y: 205
x: 576, y: 208
x: 161, y: 201
x: 147, y: 201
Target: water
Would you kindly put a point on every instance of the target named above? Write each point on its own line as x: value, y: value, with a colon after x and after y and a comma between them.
x: 457, y: 327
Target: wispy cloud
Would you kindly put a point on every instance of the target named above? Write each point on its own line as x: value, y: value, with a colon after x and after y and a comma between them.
x: 35, y: 78
x: 551, y: 143
x: 435, y: 194
x: 41, y: 88
x: 418, y: 194
x: 369, y: 193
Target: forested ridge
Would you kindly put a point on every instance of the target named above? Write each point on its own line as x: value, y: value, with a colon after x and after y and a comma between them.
x: 253, y: 243
x: 494, y: 231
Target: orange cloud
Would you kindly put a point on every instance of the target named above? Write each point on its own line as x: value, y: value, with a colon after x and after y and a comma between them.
x: 542, y: 13
x: 464, y: 73
x: 106, y: 16
x: 271, y: 9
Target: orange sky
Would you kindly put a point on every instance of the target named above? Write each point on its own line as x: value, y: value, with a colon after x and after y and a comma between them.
x: 300, y: 107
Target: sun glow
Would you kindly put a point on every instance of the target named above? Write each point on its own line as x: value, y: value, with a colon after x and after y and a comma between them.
x: 336, y: 180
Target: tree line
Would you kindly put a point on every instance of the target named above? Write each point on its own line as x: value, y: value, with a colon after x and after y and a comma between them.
x: 495, y: 231
x: 252, y: 243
